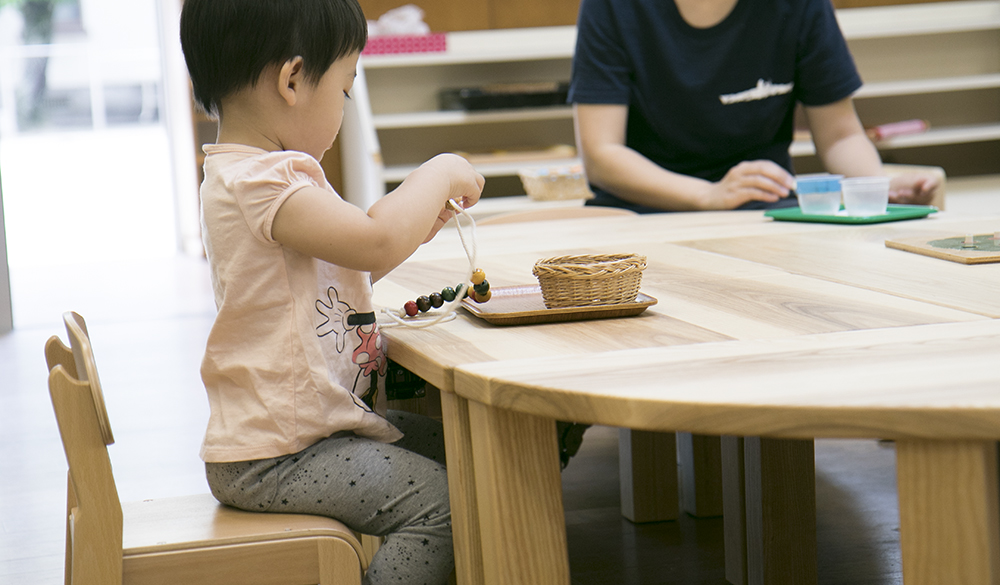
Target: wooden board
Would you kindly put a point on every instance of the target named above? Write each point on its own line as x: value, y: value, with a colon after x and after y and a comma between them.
x: 523, y: 305
x: 922, y: 245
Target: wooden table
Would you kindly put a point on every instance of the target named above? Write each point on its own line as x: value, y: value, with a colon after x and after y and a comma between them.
x: 786, y: 331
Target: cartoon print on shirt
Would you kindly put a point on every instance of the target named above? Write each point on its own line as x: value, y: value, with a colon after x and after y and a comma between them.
x: 337, y: 314
x: 368, y: 354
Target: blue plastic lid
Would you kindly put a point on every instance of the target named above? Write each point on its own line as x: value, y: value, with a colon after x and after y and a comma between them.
x: 817, y: 183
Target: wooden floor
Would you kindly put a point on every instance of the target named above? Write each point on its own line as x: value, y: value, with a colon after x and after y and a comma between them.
x: 148, y: 323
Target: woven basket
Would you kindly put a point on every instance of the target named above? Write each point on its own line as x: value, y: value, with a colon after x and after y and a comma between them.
x: 555, y: 184
x: 589, y: 280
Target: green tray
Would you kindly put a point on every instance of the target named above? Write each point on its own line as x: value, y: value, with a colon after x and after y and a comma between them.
x: 893, y: 213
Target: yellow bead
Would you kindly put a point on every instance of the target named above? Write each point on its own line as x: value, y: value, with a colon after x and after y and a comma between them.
x: 478, y: 276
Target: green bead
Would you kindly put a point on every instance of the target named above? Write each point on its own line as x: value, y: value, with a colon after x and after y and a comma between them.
x: 448, y: 294
x: 482, y: 287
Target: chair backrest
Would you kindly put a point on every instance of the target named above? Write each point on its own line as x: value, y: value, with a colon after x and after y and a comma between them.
x: 554, y: 213
x: 94, y: 525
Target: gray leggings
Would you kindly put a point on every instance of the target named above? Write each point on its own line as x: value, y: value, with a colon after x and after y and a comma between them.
x: 397, y: 490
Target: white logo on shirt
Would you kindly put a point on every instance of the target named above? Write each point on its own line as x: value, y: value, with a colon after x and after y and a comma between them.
x: 763, y: 90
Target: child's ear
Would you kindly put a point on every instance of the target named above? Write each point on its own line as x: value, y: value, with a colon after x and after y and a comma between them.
x: 290, y: 79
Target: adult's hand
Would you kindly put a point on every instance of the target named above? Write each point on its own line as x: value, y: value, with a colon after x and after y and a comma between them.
x: 756, y: 180
x: 914, y: 188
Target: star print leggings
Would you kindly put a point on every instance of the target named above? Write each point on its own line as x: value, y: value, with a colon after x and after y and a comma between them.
x: 397, y: 490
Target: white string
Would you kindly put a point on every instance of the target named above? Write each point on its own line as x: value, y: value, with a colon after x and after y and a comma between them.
x: 447, y: 311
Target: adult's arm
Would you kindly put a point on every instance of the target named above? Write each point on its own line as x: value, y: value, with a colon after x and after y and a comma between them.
x: 620, y: 170
x: 844, y: 148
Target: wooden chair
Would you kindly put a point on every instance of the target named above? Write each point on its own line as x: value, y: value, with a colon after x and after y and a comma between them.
x: 550, y: 213
x: 190, y: 540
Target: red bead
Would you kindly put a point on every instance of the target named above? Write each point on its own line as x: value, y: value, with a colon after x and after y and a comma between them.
x: 411, y: 308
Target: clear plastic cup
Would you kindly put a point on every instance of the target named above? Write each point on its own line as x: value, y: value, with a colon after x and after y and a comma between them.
x: 865, y: 196
x: 818, y: 194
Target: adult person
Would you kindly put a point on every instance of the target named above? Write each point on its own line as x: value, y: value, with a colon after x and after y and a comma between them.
x: 686, y: 105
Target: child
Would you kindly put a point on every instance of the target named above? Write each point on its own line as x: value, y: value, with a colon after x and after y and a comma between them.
x: 294, y: 365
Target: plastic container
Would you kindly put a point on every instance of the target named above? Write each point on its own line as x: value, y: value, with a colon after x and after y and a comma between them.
x: 818, y: 194
x: 865, y: 196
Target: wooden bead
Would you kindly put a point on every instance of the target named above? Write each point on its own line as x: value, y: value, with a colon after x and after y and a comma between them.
x: 482, y: 287
x: 436, y: 300
x: 424, y: 304
x: 478, y: 276
x: 410, y: 308
x: 482, y: 298
x: 448, y: 294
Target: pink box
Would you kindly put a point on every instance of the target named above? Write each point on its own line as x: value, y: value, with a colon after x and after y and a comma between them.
x: 383, y: 45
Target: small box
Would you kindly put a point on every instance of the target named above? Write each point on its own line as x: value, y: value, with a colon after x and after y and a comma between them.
x: 393, y: 44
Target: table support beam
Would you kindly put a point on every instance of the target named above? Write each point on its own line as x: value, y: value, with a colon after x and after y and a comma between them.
x: 647, y: 468
x: 462, y: 490
x: 780, y: 484
x: 948, y: 511
x: 700, y: 470
x: 519, y: 496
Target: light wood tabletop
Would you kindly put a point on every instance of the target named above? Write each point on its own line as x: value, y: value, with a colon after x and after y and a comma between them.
x: 782, y: 330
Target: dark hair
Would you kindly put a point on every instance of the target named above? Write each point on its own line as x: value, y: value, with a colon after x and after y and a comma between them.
x: 228, y: 43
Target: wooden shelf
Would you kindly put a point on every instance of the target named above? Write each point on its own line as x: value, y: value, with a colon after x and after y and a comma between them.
x: 918, y: 19
x: 922, y: 86
x: 395, y: 174
x: 931, y: 137
x: 488, y: 46
x: 461, y: 118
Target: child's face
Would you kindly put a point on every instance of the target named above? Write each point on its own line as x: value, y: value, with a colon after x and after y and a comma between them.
x: 324, y: 107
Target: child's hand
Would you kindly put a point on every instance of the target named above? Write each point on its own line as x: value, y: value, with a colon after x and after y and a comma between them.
x: 465, y: 186
x: 465, y: 183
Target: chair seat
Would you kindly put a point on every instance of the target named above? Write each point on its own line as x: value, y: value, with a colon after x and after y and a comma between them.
x: 161, y: 525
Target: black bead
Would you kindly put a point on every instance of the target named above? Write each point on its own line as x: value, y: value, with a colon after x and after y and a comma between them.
x: 436, y: 300
x: 424, y: 304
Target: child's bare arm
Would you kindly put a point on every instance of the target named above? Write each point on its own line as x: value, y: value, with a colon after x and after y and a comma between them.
x: 314, y: 223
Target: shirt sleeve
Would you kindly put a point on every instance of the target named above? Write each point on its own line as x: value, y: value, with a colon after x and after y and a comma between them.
x: 601, y: 67
x: 825, y: 69
x: 269, y: 181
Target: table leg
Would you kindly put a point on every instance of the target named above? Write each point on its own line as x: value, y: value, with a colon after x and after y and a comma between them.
x: 734, y: 524
x: 462, y: 490
x: 700, y: 463
x: 780, y: 511
x: 647, y: 465
x: 519, y: 493
x: 948, y: 511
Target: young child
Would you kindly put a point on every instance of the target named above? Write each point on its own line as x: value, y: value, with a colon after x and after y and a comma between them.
x: 294, y: 365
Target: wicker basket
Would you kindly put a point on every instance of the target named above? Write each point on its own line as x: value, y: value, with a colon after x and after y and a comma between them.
x: 582, y: 281
x: 555, y: 184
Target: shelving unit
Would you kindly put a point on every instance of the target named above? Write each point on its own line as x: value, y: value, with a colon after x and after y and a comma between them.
x: 939, y: 62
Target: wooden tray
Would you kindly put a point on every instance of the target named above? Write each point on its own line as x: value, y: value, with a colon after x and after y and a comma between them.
x: 522, y: 305
x: 925, y: 245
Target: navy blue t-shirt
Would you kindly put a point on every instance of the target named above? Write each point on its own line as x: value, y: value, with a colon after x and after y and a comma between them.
x: 703, y: 100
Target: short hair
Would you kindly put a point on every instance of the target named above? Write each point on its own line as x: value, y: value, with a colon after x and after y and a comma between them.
x: 228, y: 44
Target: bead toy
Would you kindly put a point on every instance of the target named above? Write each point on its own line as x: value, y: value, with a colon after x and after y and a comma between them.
x: 420, y: 311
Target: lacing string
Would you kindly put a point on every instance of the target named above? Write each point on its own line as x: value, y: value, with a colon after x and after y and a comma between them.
x: 447, y: 311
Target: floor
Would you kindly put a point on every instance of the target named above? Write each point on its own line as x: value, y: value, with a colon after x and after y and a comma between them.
x: 148, y: 322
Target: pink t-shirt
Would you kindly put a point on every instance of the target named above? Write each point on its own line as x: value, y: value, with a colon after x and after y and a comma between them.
x: 295, y: 354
